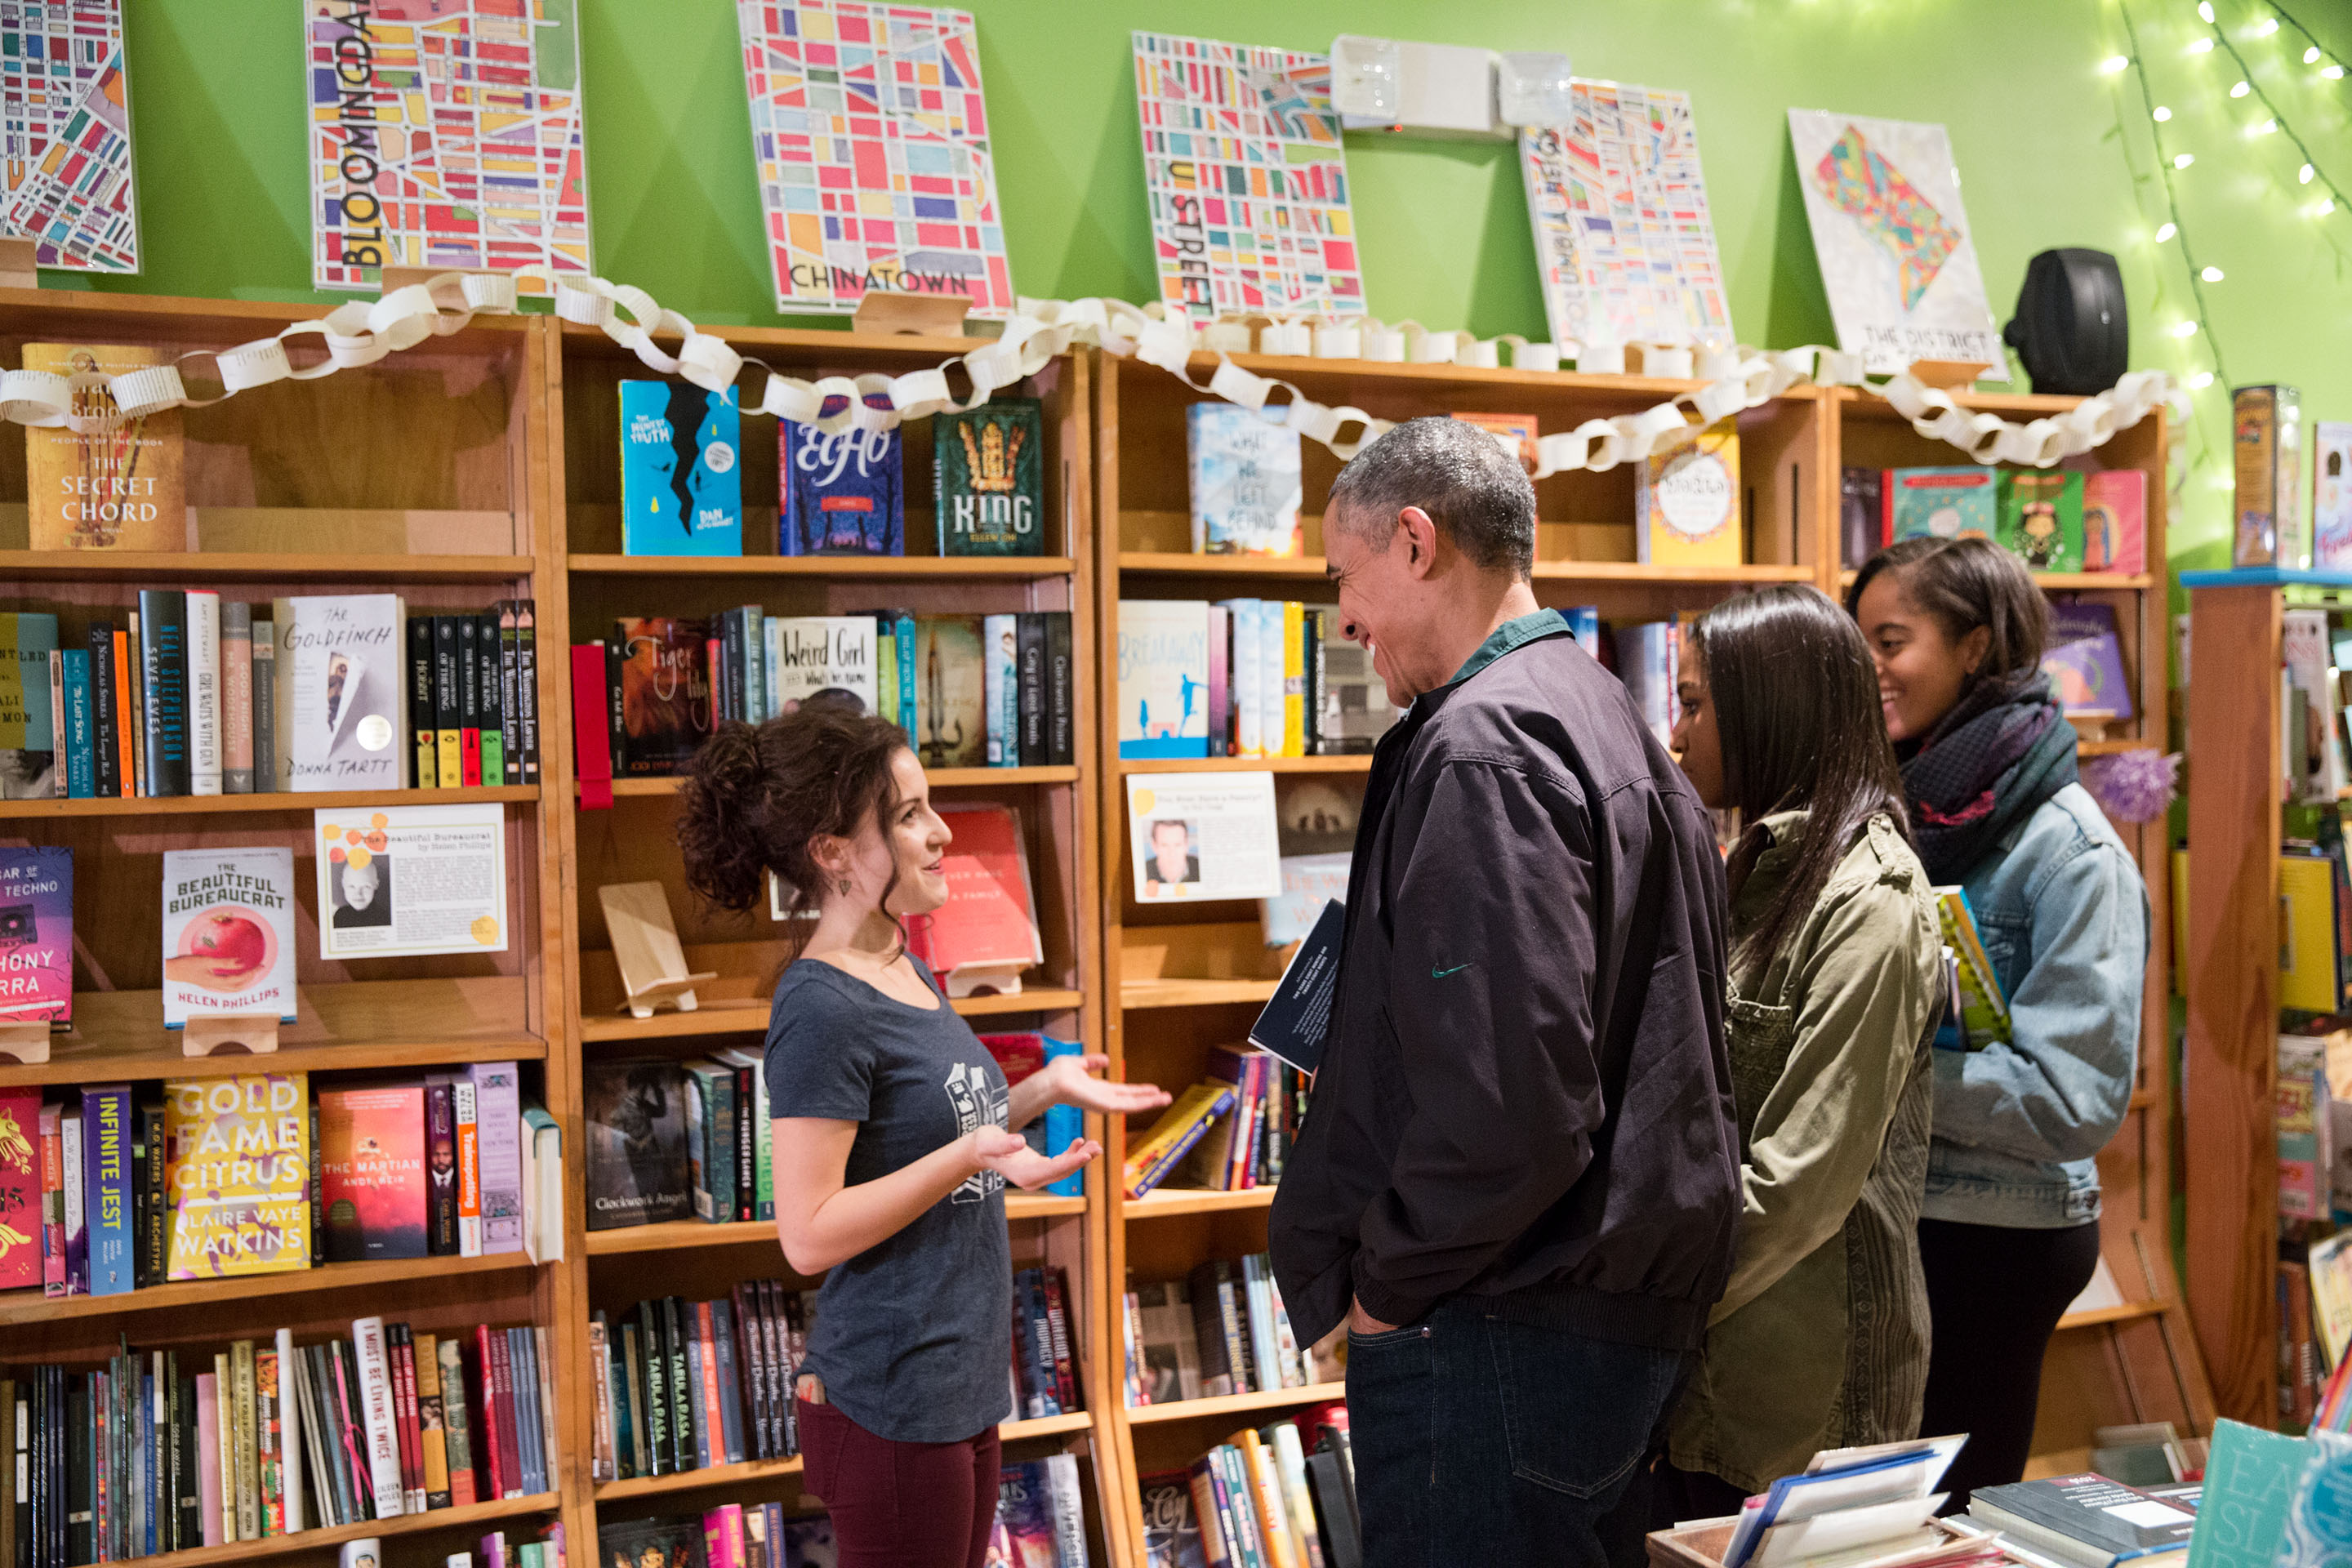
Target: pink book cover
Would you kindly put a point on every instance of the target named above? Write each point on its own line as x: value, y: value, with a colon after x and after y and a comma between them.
x: 53, y: 1201
x: 20, y: 1188
x: 498, y: 1143
x: 1220, y: 706
x: 372, y: 1158
x: 208, y: 1476
x: 2115, y: 520
x: 723, y: 1536
x: 36, y: 936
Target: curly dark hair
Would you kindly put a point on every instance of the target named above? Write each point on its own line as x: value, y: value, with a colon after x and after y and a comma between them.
x: 757, y: 794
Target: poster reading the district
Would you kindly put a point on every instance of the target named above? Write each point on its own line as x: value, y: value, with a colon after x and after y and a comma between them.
x: 871, y: 135
x: 65, y: 134
x: 1896, y: 257
x: 1623, y: 240
x: 411, y: 879
x: 446, y: 134
x: 1247, y: 179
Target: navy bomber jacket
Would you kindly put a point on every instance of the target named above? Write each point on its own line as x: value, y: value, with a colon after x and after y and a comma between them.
x: 1525, y: 1094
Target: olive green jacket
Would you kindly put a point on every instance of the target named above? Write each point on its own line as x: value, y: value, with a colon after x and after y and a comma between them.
x: 1821, y: 1339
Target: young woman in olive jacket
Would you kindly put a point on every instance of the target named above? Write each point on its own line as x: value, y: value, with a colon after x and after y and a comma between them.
x: 1820, y: 1338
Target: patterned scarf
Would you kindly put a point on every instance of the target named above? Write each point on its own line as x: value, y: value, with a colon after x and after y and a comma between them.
x: 2003, y: 749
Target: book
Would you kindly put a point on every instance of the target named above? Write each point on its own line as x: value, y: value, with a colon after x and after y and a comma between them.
x: 22, y: 1220
x: 163, y: 677
x: 119, y: 487
x: 341, y: 708
x: 2041, y: 518
x: 236, y: 676
x: 203, y: 691
x: 711, y: 1140
x: 2087, y: 1521
x: 1293, y: 1023
x: 999, y: 648
x: 80, y: 739
x: 1648, y: 659
x: 681, y: 483
x: 1941, y: 503
x: 228, y: 933
x: 989, y: 921
x: 107, y: 1175
x: 2084, y: 659
x: 2266, y: 429
x: 663, y: 702
x: 1163, y: 671
x: 1351, y: 709
x: 1984, y: 1010
x: 1030, y: 671
x: 2251, y: 1477
x: 371, y: 1152
x: 950, y: 728
x: 988, y: 483
x: 373, y: 1388
x: 654, y: 1543
x: 639, y: 1169
x: 1244, y: 482
x: 264, y: 679
x: 36, y: 936
x: 440, y: 1166
x: 1686, y: 501
x: 1517, y: 433
x: 809, y: 655
x: 491, y: 715
x: 1180, y: 1127
x: 29, y: 728
x: 498, y: 1108
x: 1171, y: 1363
x: 1024, y: 1512
x: 2115, y: 521
x: 845, y: 493
x: 1858, y: 515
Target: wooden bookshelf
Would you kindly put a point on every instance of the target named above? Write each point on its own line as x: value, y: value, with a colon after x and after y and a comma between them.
x: 466, y: 1521
x: 243, y: 804
x: 20, y: 1307
x: 632, y: 842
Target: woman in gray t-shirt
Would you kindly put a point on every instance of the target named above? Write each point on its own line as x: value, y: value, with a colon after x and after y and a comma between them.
x: 893, y: 1129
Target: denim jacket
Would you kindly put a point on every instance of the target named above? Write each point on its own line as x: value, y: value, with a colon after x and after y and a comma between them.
x: 2065, y: 921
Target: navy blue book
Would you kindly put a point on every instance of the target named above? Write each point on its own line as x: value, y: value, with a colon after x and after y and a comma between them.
x: 1297, y: 1016
x: 843, y: 494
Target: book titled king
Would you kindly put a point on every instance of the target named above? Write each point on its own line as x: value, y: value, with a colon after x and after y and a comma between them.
x: 987, y: 478
x: 36, y: 936
x: 228, y: 933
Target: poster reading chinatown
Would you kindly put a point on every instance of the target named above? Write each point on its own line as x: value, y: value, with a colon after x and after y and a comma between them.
x: 446, y: 134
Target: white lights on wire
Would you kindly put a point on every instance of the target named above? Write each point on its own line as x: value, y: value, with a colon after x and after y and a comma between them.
x: 2161, y: 115
x: 2164, y: 232
x: 2182, y: 160
x: 2205, y: 12
x: 2303, y: 176
x: 2115, y: 63
x: 2201, y: 380
x: 2201, y: 46
x: 2266, y: 27
x: 2211, y: 274
x: 2184, y: 328
x: 2311, y: 56
x: 2242, y: 88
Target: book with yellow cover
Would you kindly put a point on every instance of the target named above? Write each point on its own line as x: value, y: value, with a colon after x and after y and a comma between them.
x: 118, y: 488
x: 2309, y: 980
x: 1686, y: 502
x: 1180, y: 1127
x: 1984, y: 1011
x: 237, y: 1174
x: 1517, y: 429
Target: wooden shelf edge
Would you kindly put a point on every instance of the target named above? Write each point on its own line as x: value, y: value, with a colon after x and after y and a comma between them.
x: 399, y: 1524
x: 1236, y: 1404
x: 2128, y: 1312
x: 1180, y: 1201
x: 846, y: 566
x: 1140, y: 993
x: 1347, y: 762
x: 679, y: 1235
x: 19, y: 1307
x: 719, y: 1476
x: 1185, y: 564
x: 1047, y: 1426
x: 731, y: 1019
x: 939, y: 778
x: 2063, y: 582
x: 276, y: 800
x: 259, y: 566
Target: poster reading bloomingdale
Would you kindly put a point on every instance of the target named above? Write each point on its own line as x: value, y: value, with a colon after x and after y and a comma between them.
x: 444, y: 133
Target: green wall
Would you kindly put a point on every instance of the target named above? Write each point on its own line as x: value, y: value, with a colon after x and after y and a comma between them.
x: 218, y: 107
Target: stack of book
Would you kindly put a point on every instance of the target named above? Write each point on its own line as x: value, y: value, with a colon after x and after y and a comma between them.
x: 734, y: 1535
x: 166, y: 1451
x: 969, y: 690
x: 2086, y: 1521
x: 2052, y: 521
x: 1284, y: 1494
x: 1230, y: 1132
x: 189, y: 695
x: 1221, y: 1330
x: 217, y: 1176
x: 1244, y: 678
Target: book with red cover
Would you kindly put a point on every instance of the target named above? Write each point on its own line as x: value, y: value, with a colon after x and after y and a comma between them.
x: 372, y: 1160
x: 665, y: 703
x: 20, y: 1189
x: 510, y: 1436
x: 402, y: 1346
x: 990, y: 918
x: 705, y: 1335
x: 490, y: 1345
x: 592, y: 727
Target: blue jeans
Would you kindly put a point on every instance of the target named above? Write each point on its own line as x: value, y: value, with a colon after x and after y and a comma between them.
x: 1481, y: 1440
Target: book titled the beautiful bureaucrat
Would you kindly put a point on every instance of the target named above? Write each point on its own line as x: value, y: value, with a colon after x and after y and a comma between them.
x: 228, y: 933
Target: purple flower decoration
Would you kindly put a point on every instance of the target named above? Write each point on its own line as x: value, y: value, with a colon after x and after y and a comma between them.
x: 2133, y: 786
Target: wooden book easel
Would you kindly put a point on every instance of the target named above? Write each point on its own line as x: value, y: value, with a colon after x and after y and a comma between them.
x: 26, y: 1042
x: 646, y: 951
x: 17, y: 270
x: 922, y: 315
x: 224, y: 1033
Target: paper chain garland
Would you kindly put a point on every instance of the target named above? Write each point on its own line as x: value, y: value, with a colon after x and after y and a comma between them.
x: 360, y: 333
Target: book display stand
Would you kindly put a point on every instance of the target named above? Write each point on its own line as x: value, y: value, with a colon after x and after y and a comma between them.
x: 645, y: 950
x: 254, y: 1033
x: 27, y: 1045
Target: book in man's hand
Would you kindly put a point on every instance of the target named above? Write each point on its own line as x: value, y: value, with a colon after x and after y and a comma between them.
x: 1294, y: 1018
x: 2087, y: 1521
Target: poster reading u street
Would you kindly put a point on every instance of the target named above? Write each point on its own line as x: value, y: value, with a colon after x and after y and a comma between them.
x: 446, y: 134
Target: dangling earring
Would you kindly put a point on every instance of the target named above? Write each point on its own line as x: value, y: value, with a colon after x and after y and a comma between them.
x: 844, y: 887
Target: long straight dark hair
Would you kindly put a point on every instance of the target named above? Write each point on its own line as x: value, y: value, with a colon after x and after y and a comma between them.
x: 1796, y: 706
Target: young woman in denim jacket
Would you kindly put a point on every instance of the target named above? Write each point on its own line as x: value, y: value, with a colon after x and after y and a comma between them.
x: 2010, y: 1232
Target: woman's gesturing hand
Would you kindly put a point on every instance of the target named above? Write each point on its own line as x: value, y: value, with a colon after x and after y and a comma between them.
x: 1010, y: 1156
x: 1073, y: 1082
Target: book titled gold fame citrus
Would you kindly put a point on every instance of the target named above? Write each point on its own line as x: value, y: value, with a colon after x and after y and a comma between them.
x: 119, y: 486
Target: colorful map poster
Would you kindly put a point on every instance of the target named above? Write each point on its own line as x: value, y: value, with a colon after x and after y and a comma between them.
x: 871, y: 136
x: 1247, y: 182
x: 1619, y: 208
x: 65, y: 133
x: 1883, y: 197
x: 446, y: 134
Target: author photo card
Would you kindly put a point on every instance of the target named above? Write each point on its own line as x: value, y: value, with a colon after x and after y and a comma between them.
x: 1203, y: 835
x: 412, y: 879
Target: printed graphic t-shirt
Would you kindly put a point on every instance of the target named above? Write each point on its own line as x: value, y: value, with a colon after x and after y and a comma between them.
x: 914, y: 1337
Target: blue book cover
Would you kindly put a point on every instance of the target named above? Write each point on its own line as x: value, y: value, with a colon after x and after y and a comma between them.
x: 681, y: 482
x: 844, y: 494
x: 731, y: 1399
x: 1065, y: 1125
x: 81, y: 753
x: 1584, y: 621
x: 1245, y: 472
x: 106, y: 1185
x: 697, y: 1399
x: 28, y: 742
x: 1163, y: 678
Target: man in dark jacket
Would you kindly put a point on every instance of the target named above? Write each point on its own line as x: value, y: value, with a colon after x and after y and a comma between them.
x: 1518, y: 1179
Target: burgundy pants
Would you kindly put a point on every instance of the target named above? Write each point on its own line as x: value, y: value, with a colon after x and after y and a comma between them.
x: 900, y: 1505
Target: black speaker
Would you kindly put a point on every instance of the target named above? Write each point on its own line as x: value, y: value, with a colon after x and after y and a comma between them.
x: 2070, y: 327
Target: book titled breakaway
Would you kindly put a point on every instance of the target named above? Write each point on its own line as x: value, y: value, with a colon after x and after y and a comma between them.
x: 228, y: 933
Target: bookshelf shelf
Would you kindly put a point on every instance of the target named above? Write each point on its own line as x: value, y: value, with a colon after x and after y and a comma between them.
x: 400, y: 1524
x: 718, y: 1477
x: 2123, y: 1313
x: 255, y: 566
x: 1163, y: 1203
x: 235, y: 805
x: 940, y: 778
x: 1137, y: 994
x: 21, y: 1307
x: 675, y: 1235
x: 829, y: 568
x: 367, y: 1024
x: 735, y: 1017
x: 1236, y: 1404
x: 1309, y: 568
x: 1353, y: 762
x: 2068, y: 582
